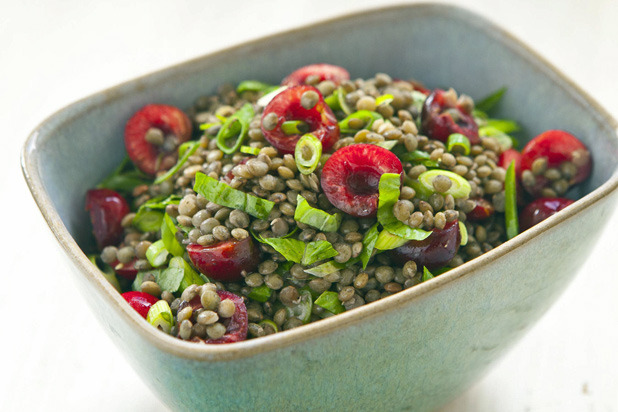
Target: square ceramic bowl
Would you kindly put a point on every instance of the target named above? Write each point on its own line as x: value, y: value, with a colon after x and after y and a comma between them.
x: 415, y: 350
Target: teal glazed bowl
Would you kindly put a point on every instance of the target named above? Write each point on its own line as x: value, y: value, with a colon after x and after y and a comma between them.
x: 415, y: 350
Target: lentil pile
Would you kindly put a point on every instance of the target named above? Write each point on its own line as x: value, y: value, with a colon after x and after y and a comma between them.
x: 262, y: 208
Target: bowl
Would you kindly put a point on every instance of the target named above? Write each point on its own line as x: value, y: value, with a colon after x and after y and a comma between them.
x: 414, y: 350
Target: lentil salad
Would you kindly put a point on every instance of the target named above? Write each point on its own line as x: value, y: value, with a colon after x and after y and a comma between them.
x: 266, y: 207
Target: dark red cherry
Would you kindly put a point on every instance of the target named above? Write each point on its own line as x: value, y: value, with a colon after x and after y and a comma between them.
x: 321, y: 71
x: 140, y: 301
x: 435, y: 251
x: 540, y: 209
x: 442, y: 116
x: 225, y: 261
x: 171, y: 122
x: 107, y: 208
x: 351, y: 176
x: 482, y: 210
x: 236, y: 327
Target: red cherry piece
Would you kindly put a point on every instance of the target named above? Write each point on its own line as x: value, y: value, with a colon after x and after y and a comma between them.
x: 149, y: 158
x: 540, y: 209
x: 126, y: 270
x: 287, y: 106
x: 322, y: 71
x: 107, y: 208
x: 509, y: 156
x: 351, y: 176
x: 225, y: 261
x: 435, y: 251
x: 140, y: 301
x: 482, y: 210
x: 563, y: 152
x: 236, y: 327
x: 441, y: 117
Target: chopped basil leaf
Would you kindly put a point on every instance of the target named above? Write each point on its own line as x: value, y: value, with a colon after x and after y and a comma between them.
x: 254, y: 86
x: 124, y: 178
x: 237, y: 125
x: 316, y: 251
x: 314, y: 217
x: 170, y: 279
x: 388, y: 241
x: 419, y: 157
x: 369, y: 242
x: 330, y: 301
x: 260, y: 293
x: 186, y: 153
x: 298, y: 251
x: 168, y: 235
x: 147, y: 220
x: 224, y: 195
x: 189, y: 275
x: 326, y: 268
x: 426, y: 275
x: 490, y: 101
x: 367, y: 116
x: 139, y: 278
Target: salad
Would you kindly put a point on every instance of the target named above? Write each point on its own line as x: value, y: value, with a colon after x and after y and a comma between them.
x: 266, y: 207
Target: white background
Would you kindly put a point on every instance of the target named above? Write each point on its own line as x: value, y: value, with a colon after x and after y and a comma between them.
x: 55, y: 356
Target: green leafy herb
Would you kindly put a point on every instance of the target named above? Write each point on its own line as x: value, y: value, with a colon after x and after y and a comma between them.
x: 316, y: 251
x: 460, y: 187
x: 293, y: 127
x: 168, y: 235
x: 261, y: 293
x: 487, y: 103
x: 369, y: 242
x: 187, y: 152
x: 387, y: 144
x: 224, y: 195
x: 178, y: 276
x: 139, y: 278
x: 316, y: 218
x: 307, y: 153
x: 157, y: 253
x: 419, y: 157
x: 388, y: 241
x: 459, y: 142
x: 270, y: 323
x: 367, y: 116
x: 250, y: 150
x: 147, y: 220
x: 160, y: 316
x: 336, y: 101
x: 510, y: 202
x: 326, y: 268
x: 502, y: 125
x: 330, y: 301
x: 298, y: 251
x: 254, y: 86
x: 236, y: 126
x: 124, y: 178
x: 384, y: 99
x: 426, y: 275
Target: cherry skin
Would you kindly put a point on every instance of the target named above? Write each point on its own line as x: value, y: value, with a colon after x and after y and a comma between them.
x: 441, y: 118
x: 483, y: 209
x: 225, y: 261
x: 320, y: 120
x: 107, y: 208
x: 433, y: 252
x: 126, y: 270
x: 322, y: 71
x: 351, y: 176
x: 540, y: 209
x: 236, y: 327
x: 140, y: 301
x: 147, y: 157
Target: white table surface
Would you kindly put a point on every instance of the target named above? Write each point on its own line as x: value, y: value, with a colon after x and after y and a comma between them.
x: 55, y: 356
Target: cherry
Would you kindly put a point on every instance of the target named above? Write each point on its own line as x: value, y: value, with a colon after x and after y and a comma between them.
x: 287, y: 106
x: 322, y: 71
x: 173, y: 124
x: 433, y: 252
x: 236, y: 327
x: 225, y: 261
x: 540, y: 209
x: 442, y: 116
x: 140, y: 301
x: 482, y: 210
x: 351, y: 176
x: 563, y: 153
x: 504, y: 161
x: 107, y: 208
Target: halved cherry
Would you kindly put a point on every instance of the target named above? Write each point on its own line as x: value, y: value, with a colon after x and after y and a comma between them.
x: 107, y: 208
x: 351, y: 176
x: 540, y: 209
x: 236, y: 327
x: 140, y: 301
x: 170, y: 123
x: 555, y: 160
x: 442, y: 116
x: 224, y: 261
x: 482, y: 210
x: 433, y: 252
x: 287, y: 106
x: 126, y: 270
x: 321, y: 71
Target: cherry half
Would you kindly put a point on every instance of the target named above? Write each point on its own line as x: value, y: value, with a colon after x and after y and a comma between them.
x: 323, y: 71
x: 433, y: 252
x: 351, y: 177
x: 483, y: 209
x: 107, y: 208
x: 224, y: 261
x: 140, y: 301
x: 146, y: 156
x: 441, y: 117
x: 540, y: 209
x: 236, y: 327
x: 287, y: 106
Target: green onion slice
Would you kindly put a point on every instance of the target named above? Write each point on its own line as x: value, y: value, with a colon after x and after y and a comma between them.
x: 510, y: 202
x: 293, y: 127
x: 426, y: 275
x: 187, y: 152
x: 490, y: 101
x: 250, y: 150
x: 149, y: 216
x: 316, y: 251
x: 224, y: 195
x: 254, y: 86
x: 458, y: 141
x: 388, y: 195
x: 366, y: 116
x: 168, y: 235
x: 369, y: 243
x: 237, y: 125
x: 330, y: 301
x: 303, y: 309
x: 160, y: 316
x: 182, y: 270
x: 268, y: 322
x: 388, y: 241
x: 261, y: 293
x: 264, y: 100
x: 460, y: 187
x: 316, y: 218
x: 307, y: 153
x: 336, y: 101
x: 206, y: 126
x: 384, y: 99
x: 419, y: 157
x: 157, y: 253
x: 463, y: 232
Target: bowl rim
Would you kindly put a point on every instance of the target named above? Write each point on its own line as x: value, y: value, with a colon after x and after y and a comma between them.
x: 315, y: 330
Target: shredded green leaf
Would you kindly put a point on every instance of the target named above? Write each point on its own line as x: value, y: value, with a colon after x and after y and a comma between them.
x: 250, y: 150
x: 463, y: 233
x: 388, y: 241
x: 426, y: 275
x: 458, y: 141
x: 367, y: 116
x: 189, y: 275
x: 316, y: 251
x: 330, y: 301
x: 168, y: 235
x: 261, y: 293
x: 308, y: 143
x: 460, y: 187
x: 419, y: 157
x: 316, y: 218
x: 326, y: 268
x: 369, y: 242
x: 184, y: 157
x: 510, y: 202
x: 124, y: 178
x: 160, y: 316
x: 254, y: 86
x: 490, y: 101
x: 235, y: 126
x: 224, y: 195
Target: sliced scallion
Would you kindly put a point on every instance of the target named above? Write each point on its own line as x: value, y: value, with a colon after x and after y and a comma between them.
x: 298, y: 251
x: 325, y: 269
x: 387, y: 144
x: 187, y: 152
x: 230, y: 129
x: 330, y: 301
x: 458, y: 142
x: 510, y: 202
x: 157, y: 253
x: 460, y: 187
x: 189, y: 275
x: 224, y: 195
x: 264, y: 100
x: 250, y: 150
x: 384, y: 99
x: 160, y: 316
x: 419, y: 157
x: 302, y: 310
x: 124, y: 178
x: 292, y: 127
x: 316, y: 218
x: 307, y: 153
x: 336, y: 101
x: 254, y: 86
x: 463, y: 233
x: 366, y: 116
